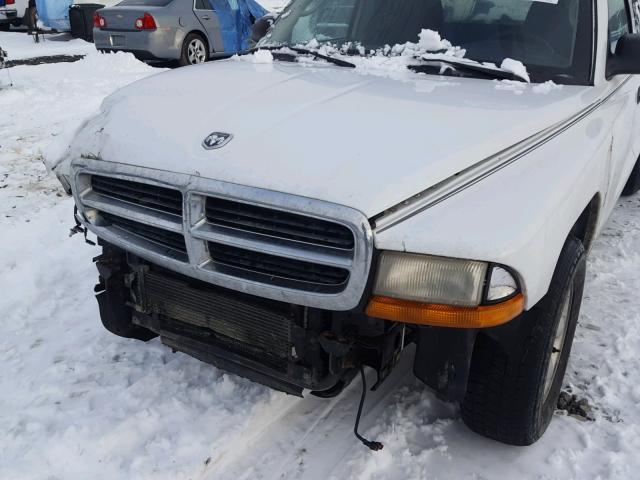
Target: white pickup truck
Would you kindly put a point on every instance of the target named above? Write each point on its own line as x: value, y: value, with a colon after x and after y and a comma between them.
x: 290, y: 218
x: 13, y: 12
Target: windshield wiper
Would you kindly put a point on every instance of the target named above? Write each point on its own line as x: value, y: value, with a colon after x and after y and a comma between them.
x: 489, y: 72
x: 306, y: 51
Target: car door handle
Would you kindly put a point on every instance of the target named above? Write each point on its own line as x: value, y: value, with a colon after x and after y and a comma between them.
x: 206, y: 17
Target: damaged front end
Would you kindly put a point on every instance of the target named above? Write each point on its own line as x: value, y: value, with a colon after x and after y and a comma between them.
x: 284, y: 346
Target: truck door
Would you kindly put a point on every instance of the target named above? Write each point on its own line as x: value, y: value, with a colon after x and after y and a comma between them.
x: 624, y: 104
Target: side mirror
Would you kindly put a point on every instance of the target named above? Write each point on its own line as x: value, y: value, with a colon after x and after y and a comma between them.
x: 626, y: 60
x: 260, y: 27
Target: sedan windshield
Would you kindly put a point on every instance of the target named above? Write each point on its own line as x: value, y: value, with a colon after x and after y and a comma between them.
x: 551, y: 37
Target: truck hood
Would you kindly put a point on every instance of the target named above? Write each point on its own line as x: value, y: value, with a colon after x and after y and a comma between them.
x: 362, y: 139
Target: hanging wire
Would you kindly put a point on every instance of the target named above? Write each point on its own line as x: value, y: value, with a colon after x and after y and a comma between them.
x: 373, y: 445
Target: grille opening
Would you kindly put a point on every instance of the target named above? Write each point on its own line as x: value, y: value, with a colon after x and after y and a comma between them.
x: 277, y: 223
x: 274, y: 266
x: 151, y: 196
x: 215, y: 339
x: 249, y: 326
x: 163, y: 238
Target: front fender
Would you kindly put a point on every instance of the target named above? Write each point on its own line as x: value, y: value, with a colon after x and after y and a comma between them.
x: 521, y: 215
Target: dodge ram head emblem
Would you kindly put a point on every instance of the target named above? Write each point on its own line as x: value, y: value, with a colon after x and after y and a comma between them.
x: 216, y: 140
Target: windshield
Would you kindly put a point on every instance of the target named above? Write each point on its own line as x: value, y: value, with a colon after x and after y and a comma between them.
x: 551, y: 37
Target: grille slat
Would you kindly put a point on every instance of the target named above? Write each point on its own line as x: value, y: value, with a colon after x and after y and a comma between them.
x: 275, y: 266
x: 276, y: 223
x: 163, y: 238
x: 146, y: 195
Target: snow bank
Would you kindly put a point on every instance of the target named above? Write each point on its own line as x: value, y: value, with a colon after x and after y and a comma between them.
x: 19, y: 45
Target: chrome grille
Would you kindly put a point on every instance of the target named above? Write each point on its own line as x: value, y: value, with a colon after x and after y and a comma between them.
x: 151, y: 196
x: 270, y: 244
x: 171, y: 241
x: 277, y: 223
x: 247, y: 263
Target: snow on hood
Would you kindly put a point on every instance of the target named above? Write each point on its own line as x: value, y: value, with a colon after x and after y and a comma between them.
x: 389, y: 59
x: 320, y: 131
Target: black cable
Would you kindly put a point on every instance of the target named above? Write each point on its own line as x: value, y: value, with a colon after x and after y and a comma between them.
x: 375, y: 446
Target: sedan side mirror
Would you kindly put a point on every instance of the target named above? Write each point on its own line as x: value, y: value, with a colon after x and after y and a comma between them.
x: 626, y: 60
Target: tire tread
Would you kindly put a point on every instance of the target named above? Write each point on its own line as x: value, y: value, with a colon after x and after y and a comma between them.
x: 503, y: 395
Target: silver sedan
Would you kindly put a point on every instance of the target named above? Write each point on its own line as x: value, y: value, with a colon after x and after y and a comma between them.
x: 189, y: 31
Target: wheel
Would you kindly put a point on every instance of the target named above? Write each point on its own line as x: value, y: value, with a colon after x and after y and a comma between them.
x: 633, y: 184
x: 513, y: 389
x: 194, y: 50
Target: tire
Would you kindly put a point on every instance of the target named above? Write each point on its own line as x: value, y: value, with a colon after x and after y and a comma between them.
x: 194, y: 50
x: 633, y: 184
x: 513, y: 390
x: 5, y: 27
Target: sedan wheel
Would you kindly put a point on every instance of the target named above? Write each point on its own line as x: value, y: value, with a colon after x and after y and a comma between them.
x: 196, y: 51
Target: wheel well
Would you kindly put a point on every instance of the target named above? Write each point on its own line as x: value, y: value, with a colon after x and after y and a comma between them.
x: 585, y: 227
x: 201, y: 34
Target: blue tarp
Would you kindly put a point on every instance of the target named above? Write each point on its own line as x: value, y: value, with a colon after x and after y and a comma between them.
x: 235, y: 21
x: 54, y: 13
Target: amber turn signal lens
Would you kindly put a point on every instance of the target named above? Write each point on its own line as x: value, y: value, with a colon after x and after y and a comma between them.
x: 445, y: 315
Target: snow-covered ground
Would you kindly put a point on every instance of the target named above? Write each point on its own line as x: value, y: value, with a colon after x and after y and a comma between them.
x: 77, y: 402
x: 19, y: 45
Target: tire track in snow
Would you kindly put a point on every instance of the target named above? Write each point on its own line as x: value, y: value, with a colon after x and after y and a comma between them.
x: 308, y: 433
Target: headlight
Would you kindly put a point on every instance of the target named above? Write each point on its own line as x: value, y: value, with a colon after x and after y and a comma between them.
x: 442, y: 291
x: 423, y: 278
